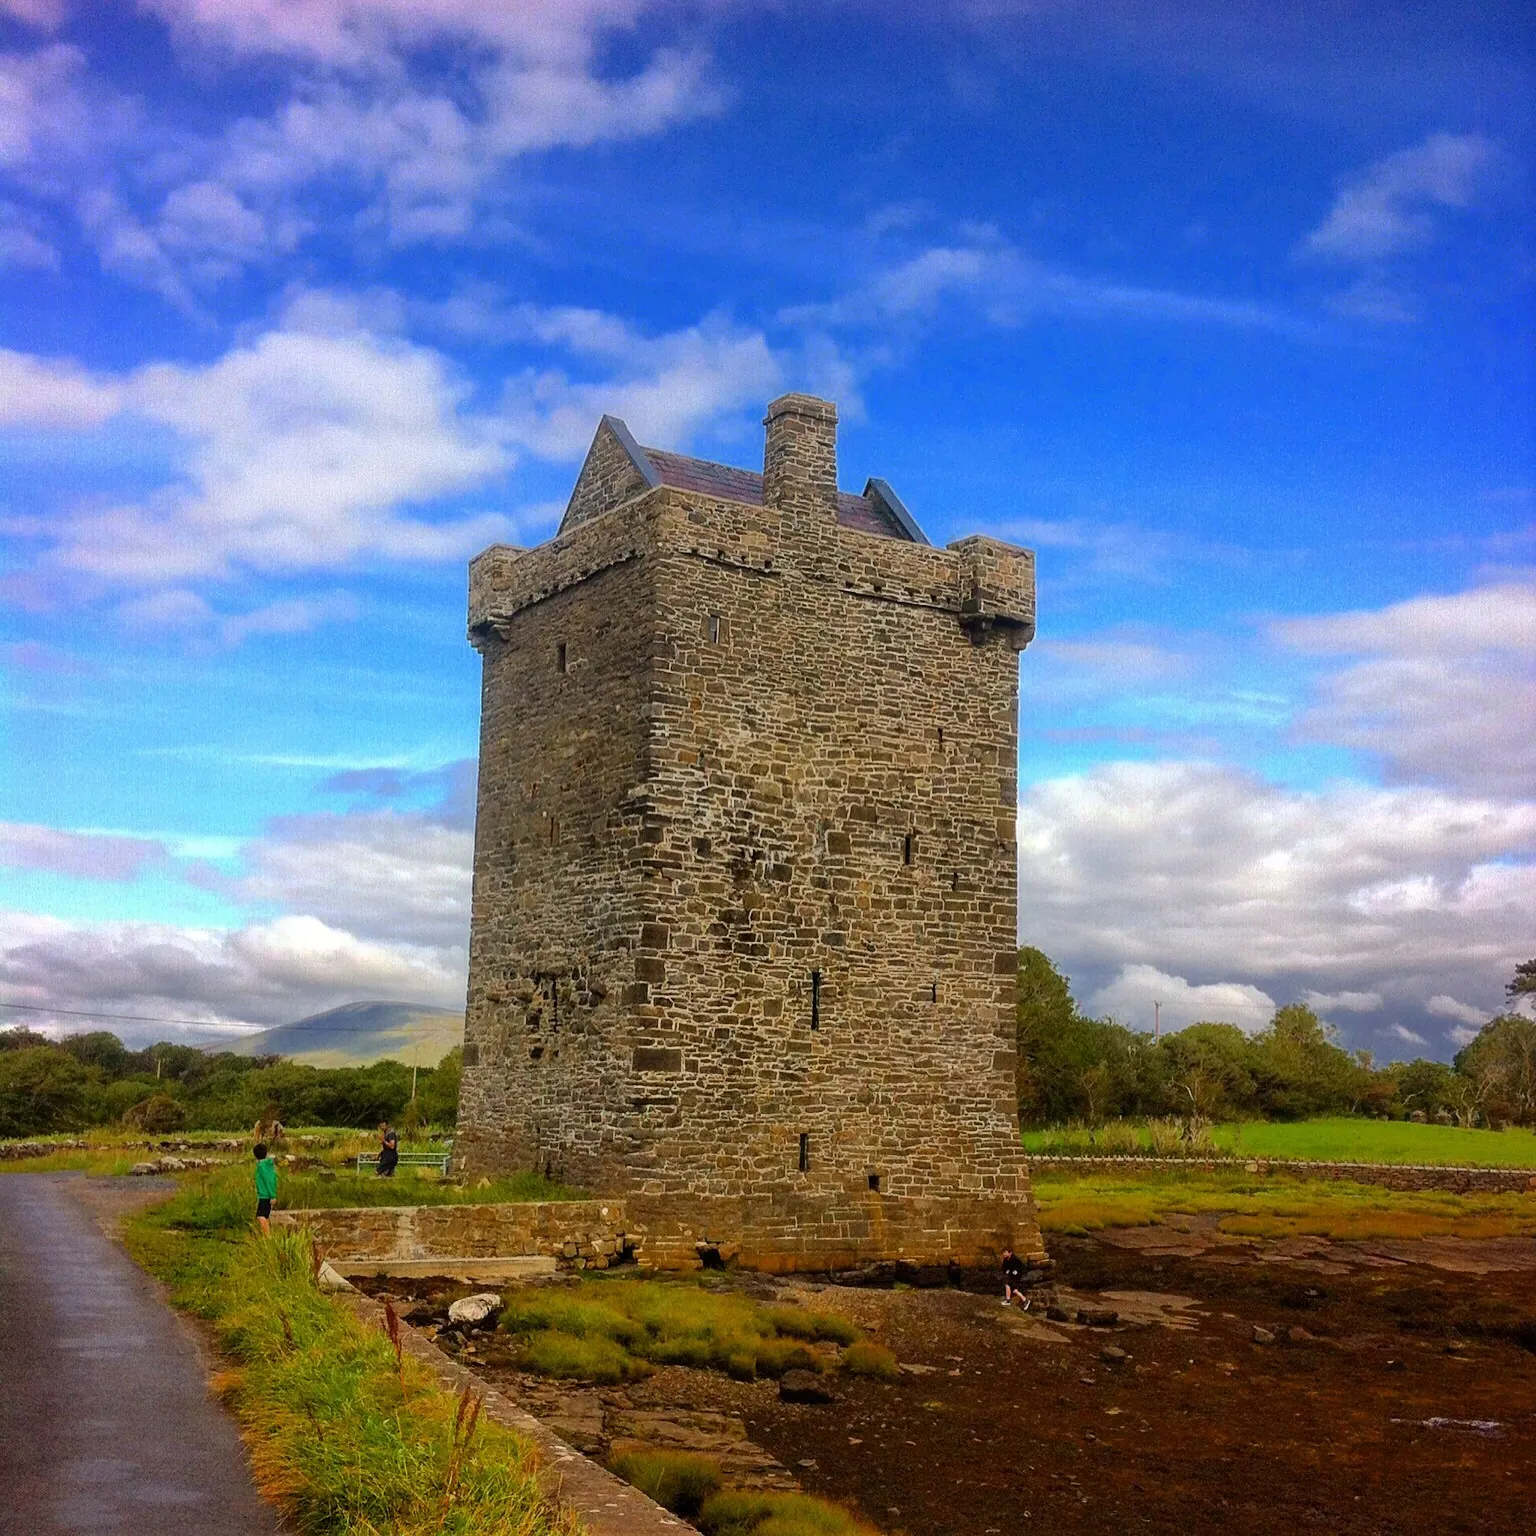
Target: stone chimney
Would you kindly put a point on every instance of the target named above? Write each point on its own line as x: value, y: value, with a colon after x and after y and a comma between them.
x: 800, y: 459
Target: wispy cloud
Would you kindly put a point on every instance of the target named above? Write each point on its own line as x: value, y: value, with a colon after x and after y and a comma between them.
x: 1007, y: 287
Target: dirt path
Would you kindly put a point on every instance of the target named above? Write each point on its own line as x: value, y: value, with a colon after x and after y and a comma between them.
x: 106, y: 1425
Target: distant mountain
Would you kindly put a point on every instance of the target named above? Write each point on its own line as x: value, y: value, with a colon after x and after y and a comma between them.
x: 357, y: 1033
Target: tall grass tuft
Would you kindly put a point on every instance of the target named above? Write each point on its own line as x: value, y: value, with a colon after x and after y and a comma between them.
x: 347, y: 1434
x: 678, y: 1480
x: 614, y: 1330
x: 778, y: 1514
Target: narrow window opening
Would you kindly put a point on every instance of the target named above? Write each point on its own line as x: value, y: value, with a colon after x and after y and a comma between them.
x: 941, y: 736
x: 714, y: 629
x: 554, y: 830
x: 906, y: 849
x: 805, y: 1152
x: 560, y: 657
x: 874, y: 1182
x: 933, y: 993
x: 815, y: 999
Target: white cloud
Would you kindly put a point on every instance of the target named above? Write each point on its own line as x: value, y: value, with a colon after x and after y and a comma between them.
x: 1406, y: 1035
x: 21, y: 244
x: 263, y: 973
x: 301, y: 447
x: 1343, y: 1002
x: 1009, y: 288
x: 1387, y: 207
x: 46, y: 15
x: 1445, y: 1007
x: 666, y: 388
x: 81, y: 855
x: 1199, y: 870
x: 1462, y: 1034
x: 53, y: 392
x: 1132, y: 996
x: 1442, y: 688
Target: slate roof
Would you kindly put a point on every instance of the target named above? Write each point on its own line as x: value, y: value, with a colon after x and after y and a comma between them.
x: 863, y: 513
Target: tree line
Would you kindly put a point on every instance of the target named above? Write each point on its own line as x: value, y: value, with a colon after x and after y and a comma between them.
x: 93, y: 1079
x: 1073, y: 1067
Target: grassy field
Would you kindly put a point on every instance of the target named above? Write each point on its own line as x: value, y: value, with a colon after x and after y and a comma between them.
x: 346, y: 1436
x: 1337, y: 1139
x: 1255, y: 1206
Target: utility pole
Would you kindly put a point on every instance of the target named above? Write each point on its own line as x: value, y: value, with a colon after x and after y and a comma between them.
x: 1157, y: 1021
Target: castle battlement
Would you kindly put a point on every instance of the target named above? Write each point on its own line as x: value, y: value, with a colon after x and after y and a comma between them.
x: 743, y: 942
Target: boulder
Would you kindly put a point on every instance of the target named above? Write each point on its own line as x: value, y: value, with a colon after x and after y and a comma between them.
x: 1113, y: 1355
x: 142, y: 1168
x: 473, y: 1310
x: 1096, y: 1317
x: 804, y: 1387
x: 1262, y: 1335
x: 1058, y: 1314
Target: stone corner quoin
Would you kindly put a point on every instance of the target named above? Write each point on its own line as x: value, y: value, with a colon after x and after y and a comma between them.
x: 745, y: 893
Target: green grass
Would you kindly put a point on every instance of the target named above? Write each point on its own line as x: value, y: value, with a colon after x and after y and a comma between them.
x: 1259, y: 1206
x: 777, y: 1514
x: 616, y: 1329
x: 347, y: 1438
x: 868, y: 1359
x: 677, y: 1480
x: 1344, y: 1140
x: 1339, y: 1139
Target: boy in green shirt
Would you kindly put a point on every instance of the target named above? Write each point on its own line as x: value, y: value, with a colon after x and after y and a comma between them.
x: 266, y: 1187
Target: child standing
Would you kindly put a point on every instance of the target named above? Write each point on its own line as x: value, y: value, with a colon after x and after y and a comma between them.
x: 266, y: 1188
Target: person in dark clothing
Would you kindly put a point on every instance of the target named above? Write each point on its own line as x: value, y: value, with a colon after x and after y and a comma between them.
x: 389, y: 1153
x: 1013, y: 1279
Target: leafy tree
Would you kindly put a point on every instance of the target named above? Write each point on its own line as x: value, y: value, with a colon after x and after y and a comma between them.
x: 43, y: 1089
x: 98, y: 1048
x: 22, y: 1039
x: 1524, y: 982
x: 1208, y: 1071
x: 1500, y: 1063
x: 438, y: 1094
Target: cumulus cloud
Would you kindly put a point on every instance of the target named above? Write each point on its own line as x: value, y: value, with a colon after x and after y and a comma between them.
x: 1389, y: 206
x: 53, y: 392
x: 82, y: 855
x: 1407, y: 1036
x: 1446, y: 1007
x: 1132, y: 998
x: 1200, y: 870
x: 1343, y: 1002
x: 259, y: 974
x: 1440, y: 688
x: 666, y: 388
x: 372, y: 902
x: 408, y: 114
x: 300, y: 450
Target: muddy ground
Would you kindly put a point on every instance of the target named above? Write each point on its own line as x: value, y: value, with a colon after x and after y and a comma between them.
x: 1398, y: 1395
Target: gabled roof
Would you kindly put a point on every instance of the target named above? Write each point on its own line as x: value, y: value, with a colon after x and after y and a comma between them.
x: 878, y: 511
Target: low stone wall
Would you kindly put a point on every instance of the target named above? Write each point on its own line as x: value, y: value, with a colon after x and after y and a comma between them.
x: 1403, y: 1176
x: 575, y: 1234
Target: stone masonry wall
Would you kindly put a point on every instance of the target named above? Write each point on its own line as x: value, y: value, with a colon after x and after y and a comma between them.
x: 744, y: 914
x: 577, y: 1234
x: 1403, y: 1176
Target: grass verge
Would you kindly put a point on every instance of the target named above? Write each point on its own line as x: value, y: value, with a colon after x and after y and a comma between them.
x: 346, y: 1436
x: 1275, y: 1207
x: 610, y: 1330
x: 1335, y: 1139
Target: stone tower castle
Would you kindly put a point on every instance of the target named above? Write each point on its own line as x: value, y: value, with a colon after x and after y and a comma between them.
x: 743, y: 945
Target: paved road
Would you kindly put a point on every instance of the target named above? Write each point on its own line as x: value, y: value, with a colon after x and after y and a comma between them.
x: 106, y: 1425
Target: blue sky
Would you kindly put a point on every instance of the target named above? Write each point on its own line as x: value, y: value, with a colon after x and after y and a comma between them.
x: 1226, y: 309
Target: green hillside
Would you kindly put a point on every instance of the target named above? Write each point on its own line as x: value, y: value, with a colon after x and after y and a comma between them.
x: 357, y: 1033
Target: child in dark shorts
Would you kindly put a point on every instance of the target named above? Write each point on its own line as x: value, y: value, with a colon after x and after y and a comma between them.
x: 266, y: 1187
x: 1013, y: 1279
